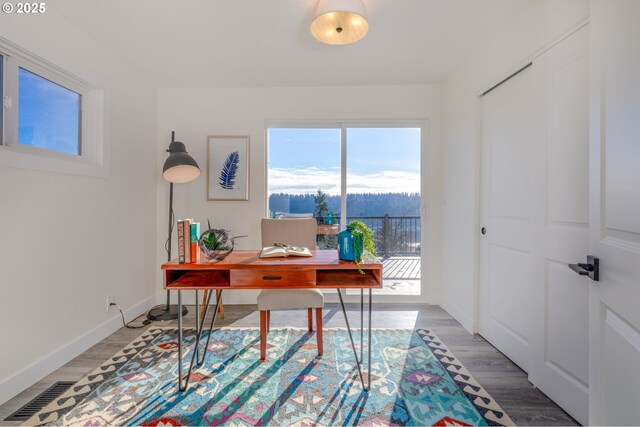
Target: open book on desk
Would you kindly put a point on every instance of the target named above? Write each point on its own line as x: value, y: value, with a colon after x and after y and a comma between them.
x: 284, y: 251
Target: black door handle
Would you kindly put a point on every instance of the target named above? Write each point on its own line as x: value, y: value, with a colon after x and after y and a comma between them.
x: 591, y: 268
x: 483, y: 231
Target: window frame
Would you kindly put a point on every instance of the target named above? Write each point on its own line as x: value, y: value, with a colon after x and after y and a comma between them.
x: 14, y: 112
x: 92, y: 159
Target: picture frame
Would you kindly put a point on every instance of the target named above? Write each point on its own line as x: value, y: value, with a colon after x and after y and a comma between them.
x: 227, y: 167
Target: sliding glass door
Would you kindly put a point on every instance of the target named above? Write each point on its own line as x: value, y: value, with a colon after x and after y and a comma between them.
x: 343, y: 173
x: 383, y: 191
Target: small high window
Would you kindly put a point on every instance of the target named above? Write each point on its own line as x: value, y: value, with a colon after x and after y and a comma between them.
x: 51, y: 119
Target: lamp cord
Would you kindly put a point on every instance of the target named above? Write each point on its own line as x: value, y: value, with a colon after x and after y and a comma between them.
x: 166, y: 244
x: 126, y: 325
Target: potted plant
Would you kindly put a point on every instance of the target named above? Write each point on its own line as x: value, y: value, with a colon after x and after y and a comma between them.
x: 330, y: 218
x: 216, y: 244
x: 356, y: 243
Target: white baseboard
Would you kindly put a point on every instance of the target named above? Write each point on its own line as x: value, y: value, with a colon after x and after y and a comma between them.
x: 33, y: 373
x: 463, y: 318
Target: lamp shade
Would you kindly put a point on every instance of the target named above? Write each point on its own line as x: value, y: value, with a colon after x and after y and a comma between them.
x: 179, y: 167
x: 339, y: 21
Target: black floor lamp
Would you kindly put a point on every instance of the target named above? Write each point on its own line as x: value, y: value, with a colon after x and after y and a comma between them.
x: 179, y: 168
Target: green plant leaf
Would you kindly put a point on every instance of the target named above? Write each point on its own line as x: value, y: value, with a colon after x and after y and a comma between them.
x: 369, y: 242
x: 361, y: 231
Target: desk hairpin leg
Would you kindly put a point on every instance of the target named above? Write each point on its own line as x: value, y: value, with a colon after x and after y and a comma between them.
x: 369, y: 341
x: 360, y: 360
x: 362, y: 323
x: 183, y: 383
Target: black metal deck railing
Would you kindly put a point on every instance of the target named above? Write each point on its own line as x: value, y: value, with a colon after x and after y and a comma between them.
x: 394, y: 235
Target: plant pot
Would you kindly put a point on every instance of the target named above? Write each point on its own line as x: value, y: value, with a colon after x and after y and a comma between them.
x: 216, y: 244
x: 350, y: 245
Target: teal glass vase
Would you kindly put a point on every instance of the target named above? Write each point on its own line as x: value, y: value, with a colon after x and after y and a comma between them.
x: 350, y: 244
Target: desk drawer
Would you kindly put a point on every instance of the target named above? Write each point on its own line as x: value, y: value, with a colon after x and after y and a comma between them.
x: 260, y: 279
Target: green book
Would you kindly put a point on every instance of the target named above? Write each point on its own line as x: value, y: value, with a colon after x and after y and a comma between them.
x: 195, y: 232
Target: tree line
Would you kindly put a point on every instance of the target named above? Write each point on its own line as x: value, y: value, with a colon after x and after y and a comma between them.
x: 358, y: 204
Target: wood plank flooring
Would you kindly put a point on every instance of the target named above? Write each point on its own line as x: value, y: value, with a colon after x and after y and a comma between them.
x: 401, y: 268
x: 499, y: 376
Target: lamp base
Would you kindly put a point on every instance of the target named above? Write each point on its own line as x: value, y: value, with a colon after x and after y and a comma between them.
x: 165, y: 312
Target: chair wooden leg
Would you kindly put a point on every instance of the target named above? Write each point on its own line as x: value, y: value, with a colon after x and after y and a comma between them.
x: 310, y: 318
x: 204, y: 302
x: 205, y: 294
x: 319, y: 330
x: 263, y: 335
x: 268, y: 320
x: 221, y: 307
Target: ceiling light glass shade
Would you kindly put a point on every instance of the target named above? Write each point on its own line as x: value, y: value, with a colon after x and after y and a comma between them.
x: 179, y: 167
x: 339, y: 21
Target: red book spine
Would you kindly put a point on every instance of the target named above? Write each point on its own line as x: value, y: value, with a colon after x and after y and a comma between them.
x: 194, y: 252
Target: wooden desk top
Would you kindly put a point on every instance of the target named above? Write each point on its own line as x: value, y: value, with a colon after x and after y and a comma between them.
x: 244, y: 269
x: 250, y: 259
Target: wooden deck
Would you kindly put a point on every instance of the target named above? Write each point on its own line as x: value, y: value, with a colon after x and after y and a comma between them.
x: 401, y: 268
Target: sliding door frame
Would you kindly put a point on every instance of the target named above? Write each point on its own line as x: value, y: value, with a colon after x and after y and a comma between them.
x: 343, y: 125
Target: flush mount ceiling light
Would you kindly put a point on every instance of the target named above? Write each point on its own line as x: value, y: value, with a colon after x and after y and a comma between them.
x: 339, y: 21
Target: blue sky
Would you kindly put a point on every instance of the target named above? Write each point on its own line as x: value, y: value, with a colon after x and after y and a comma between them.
x: 379, y: 160
x: 48, y: 114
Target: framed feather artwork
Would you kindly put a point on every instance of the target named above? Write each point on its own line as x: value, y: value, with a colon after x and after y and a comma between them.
x: 227, y: 167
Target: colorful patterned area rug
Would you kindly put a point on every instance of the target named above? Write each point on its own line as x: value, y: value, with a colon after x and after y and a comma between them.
x: 415, y: 380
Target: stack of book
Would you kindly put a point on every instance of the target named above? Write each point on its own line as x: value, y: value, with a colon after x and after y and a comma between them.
x: 188, y: 235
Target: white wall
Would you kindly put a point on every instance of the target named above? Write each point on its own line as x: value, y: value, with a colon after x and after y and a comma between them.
x: 533, y: 30
x: 67, y: 240
x: 196, y: 113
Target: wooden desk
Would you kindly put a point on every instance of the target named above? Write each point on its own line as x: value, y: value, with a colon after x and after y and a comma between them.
x: 246, y: 270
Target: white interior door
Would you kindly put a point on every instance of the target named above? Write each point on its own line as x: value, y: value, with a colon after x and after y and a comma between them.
x: 561, y: 337
x: 614, y: 233
x: 508, y: 209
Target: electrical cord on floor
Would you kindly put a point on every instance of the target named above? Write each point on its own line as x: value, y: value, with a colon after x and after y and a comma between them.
x: 126, y: 325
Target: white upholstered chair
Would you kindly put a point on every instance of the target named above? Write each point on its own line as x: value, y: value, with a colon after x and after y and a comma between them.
x: 295, y: 232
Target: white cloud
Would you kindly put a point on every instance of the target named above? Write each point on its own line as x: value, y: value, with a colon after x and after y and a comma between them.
x: 303, y: 181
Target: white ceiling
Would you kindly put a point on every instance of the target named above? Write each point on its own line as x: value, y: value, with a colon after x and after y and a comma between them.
x: 218, y: 43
